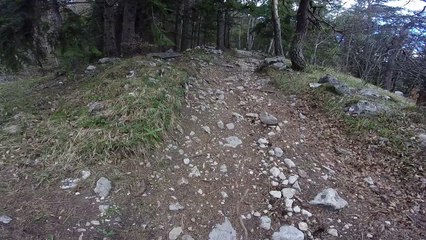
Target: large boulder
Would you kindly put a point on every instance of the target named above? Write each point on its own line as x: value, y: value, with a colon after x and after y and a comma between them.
x: 366, y: 108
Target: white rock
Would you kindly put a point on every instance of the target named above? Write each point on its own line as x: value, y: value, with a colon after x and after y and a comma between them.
x: 95, y: 222
x: 332, y: 232
x: 296, y: 209
x: 207, y: 129
x: 288, y: 192
x: 187, y: 237
x: 186, y: 161
x: 230, y: 126
x: 289, y: 204
x: 369, y: 180
x: 232, y: 141
x: 220, y: 125
x: 268, y: 119
x: 85, y: 174
x: 5, y: 219
x: 274, y: 184
x: 288, y: 232
x: 292, y: 179
x: 223, y: 231
x: 256, y: 214
x: 69, y: 183
x: 195, y: 172
x: 303, y: 226
x: 103, y: 186
x: 223, y: 168
x: 289, y: 163
x: 306, y: 213
x: 369, y: 235
x: 281, y: 176
x: 329, y: 198
x: 182, y: 181
x: 278, y: 152
x: 176, y: 207
x: 265, y: 222
x: 224, y: 194
x: 174, y: 233
x: 252, y: 115
x: 263, y: 141
x: 275, y: 194
x: 238, y: 116
x: 275, y: 171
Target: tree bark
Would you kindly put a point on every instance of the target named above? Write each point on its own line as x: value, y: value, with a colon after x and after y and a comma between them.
x: 298, y: 61
x: 179, y: 25
x: 220, y: 35
x: 128, y: 29
x: 187, y: 25
x: 110, y: 43
x: 278, y: 43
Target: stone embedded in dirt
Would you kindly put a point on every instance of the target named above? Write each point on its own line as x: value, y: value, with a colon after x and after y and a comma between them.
x: 289, y: 163
x: 85, y: 174
x: 297, y: 186
x: 175, y: 232
x: 332, y: 232
x: 12, y: 129
x: 106, y: 60
x: 281, y: 176
x: 329, y: 198
x: 232, y: 141
x: 183, y: 181
x: 223, y: 168
x: 369, y: 180
x: 69, y: 183
x: 186, y: 161
x: 302, y: 173
x: 292, y: 179
x: 224, y: 194
x: 303, y: 226
x: 238, y: 116
x: 195, y: 172
x: 230, y: 126
x: 335, y: 84
x: 5, y: 219
x: 90, y: 68
x: 275, y: 194
x: 289, y: 204
x: 306, y: 213
x: 223, y: 231
x: 268, y: 119
x: 288, y: 232
x: 296, y: 209
x: 265, y: 222
x: 315, y: 85
x: 103, y: 209
x: 207, y: 129
x: 366, y: 108
x: 275, y: 171
x: 176, y: 207
x: 288, y: 192
x: 262, y: 141
x: 422, y: 139
x: 278, y: 152
x: 187, y: 237
x: 220, y: 125
x: 95, y: 107
x: 370, y: 92
x: 103, y: 186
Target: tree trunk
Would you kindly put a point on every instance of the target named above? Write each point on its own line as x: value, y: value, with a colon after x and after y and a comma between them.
x: 298, y: 62
x: 179, y: 25
x: 110, y: 43
x: 278, y: 43
x: 128, y: 29
x: 187, y: 25
x: 220, y: 35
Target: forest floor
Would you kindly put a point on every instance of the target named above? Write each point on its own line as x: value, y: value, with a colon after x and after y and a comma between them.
x: 211, y: 176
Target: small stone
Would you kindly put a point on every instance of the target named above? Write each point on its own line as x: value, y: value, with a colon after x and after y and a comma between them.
x: 230, y: 126
x: 183, y: 181
x: 263, y: 141
x: 5, y: 219
x: 103, y: 209
x: 302, y: 173
x: 195, y: 172
x: 289, y: 163
x: 275, y: 171
x: 274, y: 184
x: 85, y: 174
x: 95, y: 107
x: 296, y: 209
x: 252, y: 115
x: 256, y: 214
x: 281, y: 176
x: 69, y: 183
x: 95, y: 222
x: 90, y: 68
x: 223, y: 231
x: 275, y: 194
x: 238, y: 116
x: 223, y: 168
x: 224, y: 194
x: 288, y: 232
x: 292, y: 179
x: 187, y: 237
x: 289, y: 204
x: 268, y: 119
x: 233, y: 142
x: 103, y: 187
x: 265, y: 222
x: 206, y: 129
x: 176, y: 207
x: 303, y: 226
x: 329, y: 198
x: 306, y: 213
x: 369, y: 180
x: 220, y: 125
x: 186, y: 161
x: 369, y: 235
x: 175, y: 232
x: 288, y: 192
x: 333, y: 232
x: 278, y: 152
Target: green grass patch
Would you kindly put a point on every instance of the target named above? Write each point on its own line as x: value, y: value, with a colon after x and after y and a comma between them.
x: 137, y: 112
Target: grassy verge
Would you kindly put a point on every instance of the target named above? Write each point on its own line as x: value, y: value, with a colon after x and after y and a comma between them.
x: 135, y: 114
x: 392, y: 125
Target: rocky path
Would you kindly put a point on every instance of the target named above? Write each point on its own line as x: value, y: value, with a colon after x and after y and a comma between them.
x: 246, y: 162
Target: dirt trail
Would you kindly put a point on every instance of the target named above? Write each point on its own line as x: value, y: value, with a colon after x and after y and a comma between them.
x: 199, y: 181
